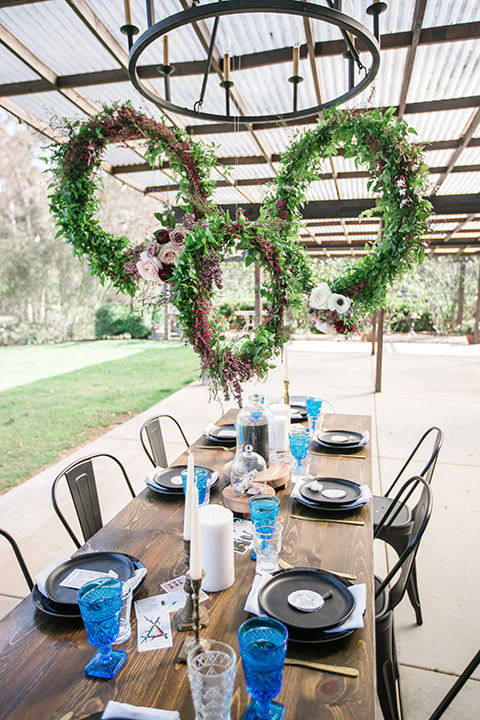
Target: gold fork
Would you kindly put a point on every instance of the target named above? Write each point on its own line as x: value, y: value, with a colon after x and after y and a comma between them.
x: 214, y: 447
x: 286, y: 566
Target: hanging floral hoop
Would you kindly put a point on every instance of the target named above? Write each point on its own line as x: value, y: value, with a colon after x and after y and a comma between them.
x: 188, y: 256
x: 398, y: 175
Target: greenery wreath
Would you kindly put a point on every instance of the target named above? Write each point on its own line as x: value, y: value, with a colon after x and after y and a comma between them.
x: 188, y: 256
x: 398, y: 175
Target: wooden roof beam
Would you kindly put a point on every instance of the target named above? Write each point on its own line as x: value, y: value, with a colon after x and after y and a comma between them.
x: 418, y: 15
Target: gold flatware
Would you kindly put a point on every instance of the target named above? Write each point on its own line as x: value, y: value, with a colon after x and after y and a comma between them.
x: 214, y: 447
x: 68, y: 716
x: 323, y: 454
x: 328, y: 520
x: 338, y: 669
x: 347, y: 576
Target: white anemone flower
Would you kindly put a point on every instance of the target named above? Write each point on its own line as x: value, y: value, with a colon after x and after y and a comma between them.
x: 340, y: 303
x: 319, y: 297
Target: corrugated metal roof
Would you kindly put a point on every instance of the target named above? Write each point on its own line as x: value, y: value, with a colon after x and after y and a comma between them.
x: 12, y: 69
x: 68, y: 52
x: 442, y: 71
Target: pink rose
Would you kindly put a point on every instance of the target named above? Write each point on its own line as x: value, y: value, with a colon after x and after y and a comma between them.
x: 148, y: 267
x: 178, y: 235
x: 169, y: 253
x: 151, y: 249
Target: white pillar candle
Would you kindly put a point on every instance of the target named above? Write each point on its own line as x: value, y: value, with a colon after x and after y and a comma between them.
x: 282, y: 426
x: 187, y: 517
x: 216, y: 537
x: 195, y: 542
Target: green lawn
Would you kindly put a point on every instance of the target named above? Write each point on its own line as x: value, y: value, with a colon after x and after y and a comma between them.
x: 40, y: 419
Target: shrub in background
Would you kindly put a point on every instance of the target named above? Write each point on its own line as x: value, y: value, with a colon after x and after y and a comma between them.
x: 114, y: 320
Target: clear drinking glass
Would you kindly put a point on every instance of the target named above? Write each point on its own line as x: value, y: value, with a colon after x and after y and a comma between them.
x: 267, y: 543
x: 100, y: 603
x: 299, y: 438
x: 201, y: 481
x: 263, y: 645
x: 264, y: 510
x: 211, y: 672
x: 125, y: 629
x: 314, y: 407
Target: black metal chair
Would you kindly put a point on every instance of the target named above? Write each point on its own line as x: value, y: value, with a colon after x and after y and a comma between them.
x: 81, y: 481
x: 19, y: 556
x: 151, y: 432
x: 388, y: 595
x: 398, y: 532
x: 456, y: 687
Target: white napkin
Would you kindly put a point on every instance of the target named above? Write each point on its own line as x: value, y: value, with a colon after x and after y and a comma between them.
x: 226, y: 433
x: 353, y: 622
x: 363, y: 498
x: 41, y: 578
x: 251, y: 605
x: 132, y: 712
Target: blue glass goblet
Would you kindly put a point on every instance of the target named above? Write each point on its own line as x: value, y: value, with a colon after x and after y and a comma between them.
x: 314, y: 407
x: 263, y: 511
x: 299, y: 441
x: 100, y: 603
x: 263, y: 645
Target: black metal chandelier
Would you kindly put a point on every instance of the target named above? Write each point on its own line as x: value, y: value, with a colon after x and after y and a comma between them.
x: 349, y: 27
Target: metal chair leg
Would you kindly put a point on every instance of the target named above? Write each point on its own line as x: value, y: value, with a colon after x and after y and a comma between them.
x: 413, y: 594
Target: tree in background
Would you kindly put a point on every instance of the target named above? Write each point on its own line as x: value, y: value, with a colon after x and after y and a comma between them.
x: 48, y: 294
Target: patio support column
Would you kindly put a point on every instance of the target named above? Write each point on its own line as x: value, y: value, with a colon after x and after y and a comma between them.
x: 378, y: 372
x: 258, y: 297
x: 477, y: 310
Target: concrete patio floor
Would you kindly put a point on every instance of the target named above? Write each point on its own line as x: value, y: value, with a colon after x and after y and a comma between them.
x: 423, y: 384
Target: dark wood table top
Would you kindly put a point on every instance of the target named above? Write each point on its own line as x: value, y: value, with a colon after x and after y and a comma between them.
x: 42, y: 658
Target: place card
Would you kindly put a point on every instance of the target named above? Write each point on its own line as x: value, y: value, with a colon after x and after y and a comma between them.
x: 176, y: 585
x: 242, y: 535
x: 78, y: 577
x: 154, y: 631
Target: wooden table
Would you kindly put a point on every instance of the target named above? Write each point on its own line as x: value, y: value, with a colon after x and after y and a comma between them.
x: 42, y: 658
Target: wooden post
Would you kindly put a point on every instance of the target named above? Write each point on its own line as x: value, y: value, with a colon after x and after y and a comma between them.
x: 374, y: 331
x: 258, y: 297
x: 477, y: 311
x: 461, y: 292
x: 378, y: 372
x: 166, y: 323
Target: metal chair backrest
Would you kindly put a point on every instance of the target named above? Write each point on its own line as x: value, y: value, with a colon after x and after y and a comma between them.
x: 151, y: 430
x: 19, y: 556
x: 429, y: 467
x: 420, y: 517
x: 81, y: 481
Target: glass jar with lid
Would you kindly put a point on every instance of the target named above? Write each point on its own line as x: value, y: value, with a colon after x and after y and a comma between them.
x: 249, y: 473
x: 253, y: 427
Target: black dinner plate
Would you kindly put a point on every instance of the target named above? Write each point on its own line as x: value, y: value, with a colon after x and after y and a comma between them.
x: 352, y: 490
x: 298, y: 413
x: 98, y: 561
x: 170, y: 479
x: 176, y: 493
x: 70, y: 611
x: 328, y: 508
x: 272, y: 599
x: 339, y: 438
x: 223, y: 434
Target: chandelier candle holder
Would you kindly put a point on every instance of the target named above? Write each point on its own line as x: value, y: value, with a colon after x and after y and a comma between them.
x: 296, y: 78
x: 350, y: 28
x: 129, y: 29
x: 166, y: 69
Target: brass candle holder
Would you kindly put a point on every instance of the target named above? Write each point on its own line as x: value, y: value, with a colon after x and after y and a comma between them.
x: 286, y: 394
x: 185, y: 618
